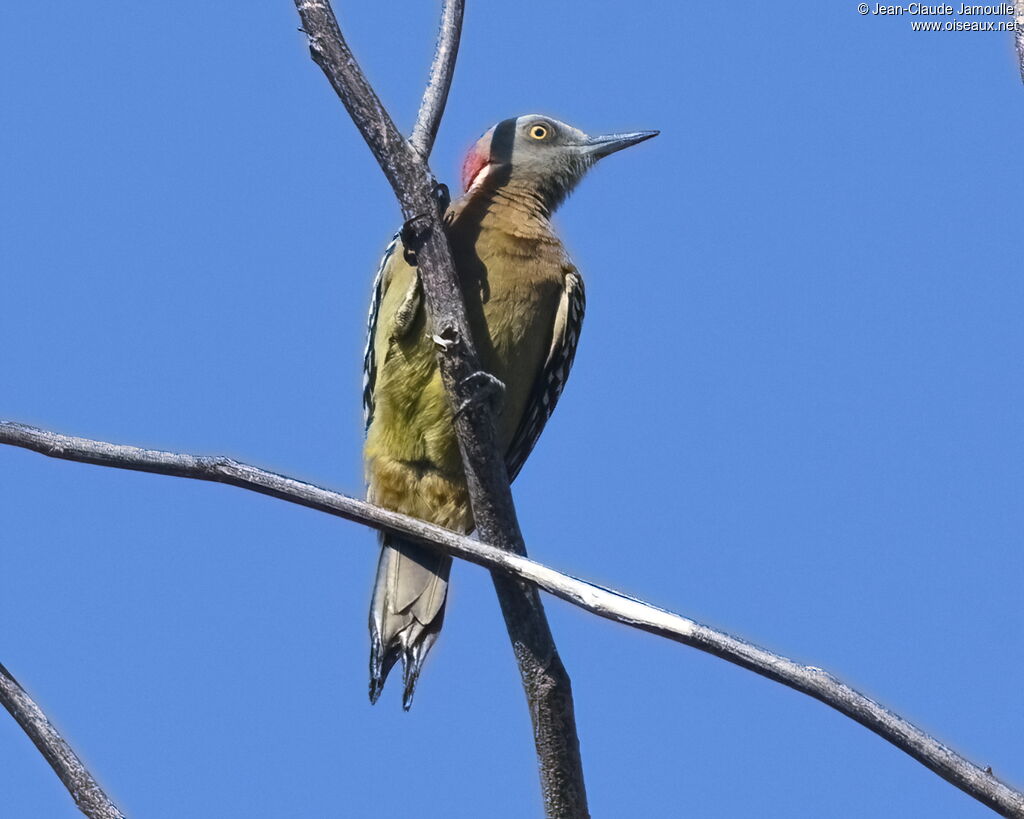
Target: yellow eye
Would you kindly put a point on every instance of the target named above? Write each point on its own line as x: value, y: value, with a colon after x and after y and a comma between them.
x: 539, y: 131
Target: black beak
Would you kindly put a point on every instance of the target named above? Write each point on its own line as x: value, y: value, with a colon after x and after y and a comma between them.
x: 601, y: 146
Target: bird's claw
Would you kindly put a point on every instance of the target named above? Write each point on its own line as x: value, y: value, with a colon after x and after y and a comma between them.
x: 484, y: 387
x: 446, y: 339
x: 416, y: 229
x: 442, y: 196
x: 414, y: 236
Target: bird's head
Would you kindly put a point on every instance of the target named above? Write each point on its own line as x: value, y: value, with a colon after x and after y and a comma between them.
x: 538, y: 157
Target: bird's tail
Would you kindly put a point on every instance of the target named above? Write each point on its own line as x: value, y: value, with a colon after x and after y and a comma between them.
x: 406, y: 611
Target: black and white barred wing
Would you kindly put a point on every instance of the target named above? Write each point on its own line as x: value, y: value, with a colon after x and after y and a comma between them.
x: 548, y: 388
x: 369, y: 354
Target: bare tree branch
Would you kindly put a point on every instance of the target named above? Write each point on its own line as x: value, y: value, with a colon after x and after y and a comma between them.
x: 441, y: 71
x: 612, y: 605
x: 546, y: 683
x: 1018, y: 33
x: 88, y: 795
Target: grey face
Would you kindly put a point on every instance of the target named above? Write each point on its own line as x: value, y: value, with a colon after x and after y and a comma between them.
x: 541, y: 156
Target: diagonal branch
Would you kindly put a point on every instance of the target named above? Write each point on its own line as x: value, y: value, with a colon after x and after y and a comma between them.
x: 545, y: 680
x: 441, y: 71
x: 88, y: 795
x: 612, y: 605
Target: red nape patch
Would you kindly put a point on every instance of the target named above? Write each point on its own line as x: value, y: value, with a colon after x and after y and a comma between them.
x: 476, y: 160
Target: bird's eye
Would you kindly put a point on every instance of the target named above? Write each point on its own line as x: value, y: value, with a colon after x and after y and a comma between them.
x: 539, y: 131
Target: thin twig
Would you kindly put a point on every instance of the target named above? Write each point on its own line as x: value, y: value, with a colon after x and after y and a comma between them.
x: 1018, y: 33
x: 88, y: 795
x: 545, y: 681
x: 607, y: 603
x: 441, y: 72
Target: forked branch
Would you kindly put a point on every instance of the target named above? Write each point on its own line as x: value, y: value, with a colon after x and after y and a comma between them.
x: 546, y: 683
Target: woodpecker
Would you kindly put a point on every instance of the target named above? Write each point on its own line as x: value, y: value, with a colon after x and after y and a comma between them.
x: 524, y: 301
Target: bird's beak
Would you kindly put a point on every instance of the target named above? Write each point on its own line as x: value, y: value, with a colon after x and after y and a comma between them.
x: 601, y: 146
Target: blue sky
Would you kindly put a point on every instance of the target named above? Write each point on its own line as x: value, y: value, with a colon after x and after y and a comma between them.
x: 795, y: 413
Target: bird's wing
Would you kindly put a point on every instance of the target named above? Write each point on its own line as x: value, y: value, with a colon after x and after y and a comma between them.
x: 369, y: 354
x: 548, y: 386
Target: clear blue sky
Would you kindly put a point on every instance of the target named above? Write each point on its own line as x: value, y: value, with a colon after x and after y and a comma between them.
x: 795, y: 414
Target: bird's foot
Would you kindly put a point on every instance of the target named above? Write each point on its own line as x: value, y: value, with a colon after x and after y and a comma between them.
x: 446, y: 339
x: 414, y: 235
x: 485, y: 387
x: 416, y: 229
x: 442, y: 196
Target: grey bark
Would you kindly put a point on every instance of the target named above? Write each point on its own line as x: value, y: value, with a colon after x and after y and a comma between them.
x: 1018, y: 34
x: 972, y: 779
x: 86, y: 792
x: 441, y: 72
